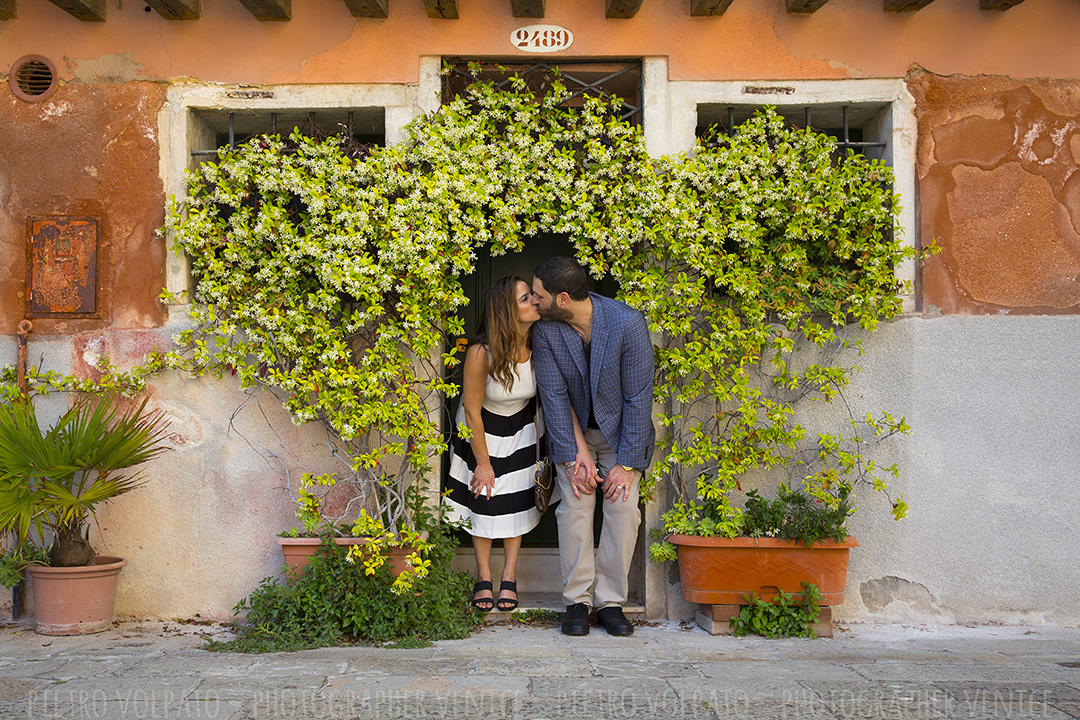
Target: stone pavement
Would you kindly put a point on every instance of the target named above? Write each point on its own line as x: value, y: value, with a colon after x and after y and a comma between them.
x: 666, y: 670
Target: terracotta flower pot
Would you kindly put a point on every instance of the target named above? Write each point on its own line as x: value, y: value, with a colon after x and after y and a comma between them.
x: 722, y: 571
x: 299, y: 551
x: 75, y: 600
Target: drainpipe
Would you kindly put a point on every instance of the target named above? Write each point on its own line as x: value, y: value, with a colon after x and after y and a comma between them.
x: 18, y: 593
x: 25, y: 328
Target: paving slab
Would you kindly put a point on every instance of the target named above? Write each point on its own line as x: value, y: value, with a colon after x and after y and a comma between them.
x: 630, y: 668
x: 531, y: 667
x: 665, y: 670
x: 750, y: 672
x: 227, y: 688
x: 408, y: 666
x: 964, y: 672
x: 735, y: 696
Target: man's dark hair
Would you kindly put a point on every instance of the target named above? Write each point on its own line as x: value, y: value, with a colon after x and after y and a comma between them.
x: 563, y: 275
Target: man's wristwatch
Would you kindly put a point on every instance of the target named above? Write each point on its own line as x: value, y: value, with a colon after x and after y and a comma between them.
x: 627, y: 468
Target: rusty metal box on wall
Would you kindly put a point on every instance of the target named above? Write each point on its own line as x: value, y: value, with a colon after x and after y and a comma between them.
x: 62, y: 266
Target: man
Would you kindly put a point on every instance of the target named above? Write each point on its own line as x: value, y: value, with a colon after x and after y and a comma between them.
x: 594, y: 358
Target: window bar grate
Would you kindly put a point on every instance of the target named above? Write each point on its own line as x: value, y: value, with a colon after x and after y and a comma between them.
x: 460, y: 77
x: 843, y: 143
x: 310, y: 127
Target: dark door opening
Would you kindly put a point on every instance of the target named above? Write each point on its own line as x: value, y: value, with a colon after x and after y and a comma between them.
x: 619, y: 80
x: 489, y: 268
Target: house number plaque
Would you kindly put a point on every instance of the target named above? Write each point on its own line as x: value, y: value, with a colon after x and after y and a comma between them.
x: 541, y: 38
x: 61, y: 266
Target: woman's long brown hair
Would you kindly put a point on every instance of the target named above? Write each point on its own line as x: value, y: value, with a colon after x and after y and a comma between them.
x: 499, y: 329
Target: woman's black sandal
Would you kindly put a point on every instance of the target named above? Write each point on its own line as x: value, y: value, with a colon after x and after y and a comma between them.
x: 482, y: 604
x: 507, y: 604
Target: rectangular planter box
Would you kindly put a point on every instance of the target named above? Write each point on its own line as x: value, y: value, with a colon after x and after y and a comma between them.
x: 723, y: 571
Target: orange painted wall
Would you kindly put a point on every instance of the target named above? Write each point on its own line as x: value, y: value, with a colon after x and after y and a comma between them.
x: 1025, y: 258
x: 92, y: 151
x: 999, y: 190
x: 753, y: 39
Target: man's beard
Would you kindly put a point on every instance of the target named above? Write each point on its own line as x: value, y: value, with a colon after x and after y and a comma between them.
x: 554, y: 313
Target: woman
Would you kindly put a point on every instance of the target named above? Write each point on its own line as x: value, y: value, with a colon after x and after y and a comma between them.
x: 491, y: 473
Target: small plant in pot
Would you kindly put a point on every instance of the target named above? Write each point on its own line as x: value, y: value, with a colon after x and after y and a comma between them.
x: 50, y: 484
x: 368, y: 540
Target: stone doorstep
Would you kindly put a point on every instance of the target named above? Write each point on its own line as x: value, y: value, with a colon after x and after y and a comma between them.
x: 716, y: 620
x: 553, y: 601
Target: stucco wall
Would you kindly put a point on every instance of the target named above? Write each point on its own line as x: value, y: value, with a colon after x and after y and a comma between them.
x: 752, y: 39
x: 1000, y: 192
x: 89, y: 150
x: 200, y: 534
x: 989, y: 471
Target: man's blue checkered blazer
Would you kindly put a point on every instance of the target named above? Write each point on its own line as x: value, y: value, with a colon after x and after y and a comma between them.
x: 621, y: 382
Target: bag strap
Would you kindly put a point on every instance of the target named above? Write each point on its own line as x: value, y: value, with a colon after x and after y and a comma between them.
x: 536, y: 421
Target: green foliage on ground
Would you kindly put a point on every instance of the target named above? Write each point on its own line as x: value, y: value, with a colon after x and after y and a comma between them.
x: 787, y: 615
x: 338, y: 601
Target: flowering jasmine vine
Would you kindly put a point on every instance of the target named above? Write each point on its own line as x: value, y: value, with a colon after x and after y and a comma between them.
x: 335, y: 282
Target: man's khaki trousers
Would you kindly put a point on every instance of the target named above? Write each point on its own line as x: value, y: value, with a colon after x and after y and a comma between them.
x: 598, y: 581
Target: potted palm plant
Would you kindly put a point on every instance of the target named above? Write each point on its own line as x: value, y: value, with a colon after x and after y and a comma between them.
x: 50, y: 482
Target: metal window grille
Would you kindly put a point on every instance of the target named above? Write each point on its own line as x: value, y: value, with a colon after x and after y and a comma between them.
x: 846, y: 136
x: 355, y: 145
x: 611, y: 81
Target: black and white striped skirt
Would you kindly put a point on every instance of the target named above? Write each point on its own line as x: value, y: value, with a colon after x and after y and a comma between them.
x: 511, y: 443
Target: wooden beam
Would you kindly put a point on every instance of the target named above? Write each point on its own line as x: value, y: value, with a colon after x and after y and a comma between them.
x: 998, y: 4
x: 177, y: 9
x: 622, y: 9
x: 441, y: 9
x: 7, y: 9
x: 269, y: 9
x: 708, y: 8
x: 804, y: 7
x: 369, y: 8
x: 527, y: 8
x: 92, y: 10
x: 905, y: 5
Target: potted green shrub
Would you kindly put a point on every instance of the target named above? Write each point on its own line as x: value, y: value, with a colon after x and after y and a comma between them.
x: 50, y: 483
x: 783, y: 256
x: 403, y: 548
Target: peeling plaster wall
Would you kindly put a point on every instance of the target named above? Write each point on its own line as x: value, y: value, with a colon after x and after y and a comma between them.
x: 990, y: 469
x: 1000, y: 192
x: 88, y: 150
x: 201, y: 533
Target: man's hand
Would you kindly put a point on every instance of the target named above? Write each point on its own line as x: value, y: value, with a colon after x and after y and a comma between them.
x: 483, y: 480
x: 618, y: 481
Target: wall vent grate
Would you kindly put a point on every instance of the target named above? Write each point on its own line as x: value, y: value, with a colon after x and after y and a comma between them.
x: 33, y: 78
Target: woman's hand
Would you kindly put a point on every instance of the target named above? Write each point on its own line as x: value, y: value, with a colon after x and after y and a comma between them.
x: 582, y: 474
x: 483, y: 480
x: 585, y: 468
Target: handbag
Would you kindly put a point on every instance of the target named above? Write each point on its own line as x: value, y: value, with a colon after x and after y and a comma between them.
x: 544, y: 480
x: 543, y: 484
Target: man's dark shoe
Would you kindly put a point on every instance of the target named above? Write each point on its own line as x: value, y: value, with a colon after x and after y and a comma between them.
x: 576, y: 620
x: 613, y: 619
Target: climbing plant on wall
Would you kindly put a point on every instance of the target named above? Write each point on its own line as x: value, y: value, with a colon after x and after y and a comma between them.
x: 334, y: 282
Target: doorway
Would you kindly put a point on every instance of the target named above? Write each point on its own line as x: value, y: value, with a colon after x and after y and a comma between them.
x: 489, y: 268
x: 539, y: 575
